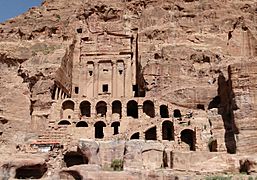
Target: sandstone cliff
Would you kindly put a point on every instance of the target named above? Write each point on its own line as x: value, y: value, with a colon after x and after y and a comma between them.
x: 198, y: 55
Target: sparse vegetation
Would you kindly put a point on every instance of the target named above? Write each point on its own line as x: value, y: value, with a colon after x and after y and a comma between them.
x: 117, y: 164
x: 219, y: 178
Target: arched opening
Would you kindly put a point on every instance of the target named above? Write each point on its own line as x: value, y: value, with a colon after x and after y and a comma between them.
x: 213, y: 145
x: 101, y: 108
x: 167, y: 131
x: 116, y: 107
x: 150, y: 134
x: 85, y: 108
x: 68, y: 109
x: 148, y: 108
x: 135, y: 136
x: 164, y: 112
x: 74, y: 158
x: 177, y: 113
x: 64, y: 122
x: 81, y: 124
x: 31, y: 172
x: 115, y: 126
x: 132, y: 109
x: 99, y: 129
x: 68, y: 105
x: 188, y: 136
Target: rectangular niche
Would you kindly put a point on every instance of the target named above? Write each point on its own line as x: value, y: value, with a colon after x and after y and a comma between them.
x: 105, y: 77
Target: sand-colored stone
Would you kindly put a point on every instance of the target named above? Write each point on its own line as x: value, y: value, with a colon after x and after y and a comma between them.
x: 108, y: 80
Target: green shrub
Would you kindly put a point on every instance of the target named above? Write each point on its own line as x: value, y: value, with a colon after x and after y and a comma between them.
x: 117, y: 164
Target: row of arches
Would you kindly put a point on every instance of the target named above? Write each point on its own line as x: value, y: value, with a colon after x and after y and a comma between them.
x: 99, y: 127
x: 167, y: 129
x: 187, y: 135
x: 132, y: 109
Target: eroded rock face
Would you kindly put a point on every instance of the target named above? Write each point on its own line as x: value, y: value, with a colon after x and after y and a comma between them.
x: 90, y: 150
x: 196, y: 56
x: 23, y: 166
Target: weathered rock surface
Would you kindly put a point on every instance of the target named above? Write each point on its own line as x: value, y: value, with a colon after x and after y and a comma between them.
x: 199, y: 56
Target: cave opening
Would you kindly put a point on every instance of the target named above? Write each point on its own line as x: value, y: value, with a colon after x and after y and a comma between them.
x: 74, y: 158
x: 188, y: 136
x: 135, y: 136
x: 99, y: 129
x: 151, y: 134
x: 167, y: 131
x: 177, y: 113
x: 164, y: 112
x: 148, y: 108
x: 31, y: 172
x: 132, y: 109
x: 115, y: 126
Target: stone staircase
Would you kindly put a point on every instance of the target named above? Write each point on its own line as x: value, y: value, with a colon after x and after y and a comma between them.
x: 54, y: 135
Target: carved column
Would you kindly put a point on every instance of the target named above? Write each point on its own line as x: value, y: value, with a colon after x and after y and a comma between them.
x: 114, y: 80
x: 140, y: 111
x: 96, y: 79
x: 128, y: 80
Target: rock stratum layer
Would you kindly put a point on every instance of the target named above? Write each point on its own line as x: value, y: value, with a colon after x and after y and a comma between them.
x: 197, y: 56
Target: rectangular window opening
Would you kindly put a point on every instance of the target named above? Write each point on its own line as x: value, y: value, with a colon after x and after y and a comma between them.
x: 76, y: 90
x: 105, y: 87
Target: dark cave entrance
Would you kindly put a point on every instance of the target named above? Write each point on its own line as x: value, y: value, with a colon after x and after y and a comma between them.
x: 101, y: 108
x: 177, y: 113
x: 116, y: 107
x: 132, y: 109
x: 151, y: 134
x: 164, y: 112
x: 167, y: 131
x: 85, y: 108
x: 148, y: 108
x: 74, y: 158
x: 31, y: 172
x: 188, y: 136
x: 135, y: 136
x: 115, y: 126
x: 99, y: 129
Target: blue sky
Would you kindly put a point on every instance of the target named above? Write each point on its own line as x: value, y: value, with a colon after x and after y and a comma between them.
x: 12, y: 8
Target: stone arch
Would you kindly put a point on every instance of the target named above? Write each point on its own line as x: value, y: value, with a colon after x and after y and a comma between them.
x: 164, y: 111
x: 151, y: 134
x: 74, y: 158
x: 188, y: 136
x: 132, y: 109
x: 85, y: 108
x: 67, y: 109
x: 81, y: 124
x: 117, y: 107
x: 64, y: 122
x: 135, y: 135
x: 101, y: 108
x: 115, y: 126
x: 99, y: 129
x: 148, y: 108
x: 167, y: 131
x: 177, y: 113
